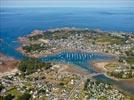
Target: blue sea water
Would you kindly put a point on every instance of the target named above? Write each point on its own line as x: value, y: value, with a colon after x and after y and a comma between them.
x: 15, y: 22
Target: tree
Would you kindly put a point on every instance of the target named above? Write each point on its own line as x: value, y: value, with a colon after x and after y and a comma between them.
x: 9, y: 97
x: 1, y: 87
x: 1, y: 97
x: 30, y: 65
x: 25, y: 96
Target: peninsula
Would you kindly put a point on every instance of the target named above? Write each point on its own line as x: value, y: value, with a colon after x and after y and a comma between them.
x: 119, y: 44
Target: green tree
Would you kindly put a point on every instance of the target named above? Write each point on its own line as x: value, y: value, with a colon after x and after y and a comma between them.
x: 9, y: 97
x: 30, y: 65
x: 1, y: 87
x: 25, y: 96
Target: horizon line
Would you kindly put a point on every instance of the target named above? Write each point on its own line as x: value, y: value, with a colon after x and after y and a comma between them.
x: 64, y: 7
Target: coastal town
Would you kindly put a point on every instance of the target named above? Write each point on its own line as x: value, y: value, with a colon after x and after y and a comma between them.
x: 58, y: 82
x: 39, y: 80
x: 41, y: 43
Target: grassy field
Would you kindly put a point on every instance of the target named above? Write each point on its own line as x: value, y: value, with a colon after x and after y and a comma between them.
x: 107, y: 39
x: 130, y: 59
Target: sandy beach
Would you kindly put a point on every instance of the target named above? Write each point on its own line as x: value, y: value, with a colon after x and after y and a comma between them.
x: 100, y: 65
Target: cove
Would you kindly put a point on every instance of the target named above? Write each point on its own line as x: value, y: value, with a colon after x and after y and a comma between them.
x: 78, y: 58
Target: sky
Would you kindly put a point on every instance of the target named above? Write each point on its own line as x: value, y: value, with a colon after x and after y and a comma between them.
x: 67, y: 3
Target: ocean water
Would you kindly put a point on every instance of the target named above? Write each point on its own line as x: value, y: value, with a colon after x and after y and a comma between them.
x: 16, y: 22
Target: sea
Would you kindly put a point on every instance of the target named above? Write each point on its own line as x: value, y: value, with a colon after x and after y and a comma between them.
x: 17, y: 22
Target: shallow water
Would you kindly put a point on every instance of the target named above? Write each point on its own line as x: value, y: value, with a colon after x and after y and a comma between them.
x: 78, y: 58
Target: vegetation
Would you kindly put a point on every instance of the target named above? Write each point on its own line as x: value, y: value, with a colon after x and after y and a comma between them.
x: 14, y: 91
x: 86, y: 84
x: 1, y: 97
x: 110, y: 39
x: 130, y: 56
x: 25, y: 96
x: 33, y: 47
x: 35, y: 37
x: 102, y: 98
x: 61, y: 84
x: 130, y: 59
x: 1, y: 87
x: 130, y: 52
x: 60, y: 35
x: 121, y: 74
x: 47, y: 35
x: 132, y: 98
x: 30, y: 65
x: 51, y: 35
x: 7, y: 97
x: 113, y: 65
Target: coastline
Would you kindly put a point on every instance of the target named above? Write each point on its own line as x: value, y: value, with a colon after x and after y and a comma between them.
x: 125, y: 82
x: 61, y: 50
x: 74, y: 69
x: 99, y: 67
x: 24, y: 40
x: 95, y: 64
